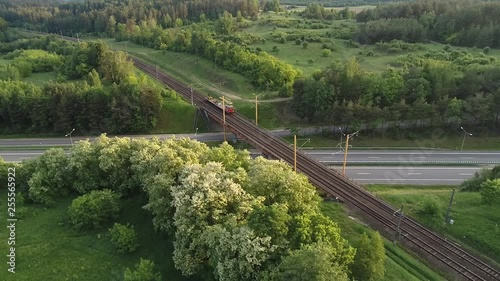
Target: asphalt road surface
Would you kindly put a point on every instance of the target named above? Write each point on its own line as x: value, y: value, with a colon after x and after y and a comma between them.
x: 334, y: 156
x: 68, y: 141
x: 414, y: 157
x: 409, y: 175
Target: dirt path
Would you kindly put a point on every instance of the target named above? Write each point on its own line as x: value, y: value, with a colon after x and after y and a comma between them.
x: 235, y: 97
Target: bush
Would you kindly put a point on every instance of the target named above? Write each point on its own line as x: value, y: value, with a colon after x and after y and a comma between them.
x: 124, y: 238
x: 144, y: 271
x: 431, y: 207
x: 490, y: 192
x: 298, y: 42
x: 486, y: 50
x: 325, y: 53
x: 93, y: 210
x: 304, y: 45
x: 310, y: 61
x: 474, y: 184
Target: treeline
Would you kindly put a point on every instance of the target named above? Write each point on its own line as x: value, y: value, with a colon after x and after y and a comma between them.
x: 262, y: 69
x: 338, y: 3
x: 97, y: 15
x: 230, y: 217
x: 144, y: 22
x: 463, y: 23
x: 120, y: 103
x: 318, y: 11
x: 427, y: 90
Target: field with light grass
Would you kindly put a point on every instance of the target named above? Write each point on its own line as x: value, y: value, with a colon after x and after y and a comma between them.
x: 448, y: 141
x: 41, y: 78
x: 476, y: 226
x: 47, y: 248
x: 399, y: 265
x: 201, y: 73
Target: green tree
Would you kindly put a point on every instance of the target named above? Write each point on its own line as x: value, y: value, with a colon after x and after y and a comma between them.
x: 93, y: 210
x: 231, y: 158
x: 490, y: 192
x: 315, y: 262
x: 277, y: 183
x: 3, y: 24
x: 111, y: 26
x: 236, y: 253
x: 225, y: 24
x: 369, y: 263
x: 115, y: 66
x: 93, y: 79
x: 50, y: 177
x: 124, y: 238
x: 144, y: 271
x: 206, y: 195
x: 158, y: 165
x: 271, y: 221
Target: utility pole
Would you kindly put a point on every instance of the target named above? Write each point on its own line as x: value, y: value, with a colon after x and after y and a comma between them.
x: 256, y: 112
x: 345, y: 153
x: 447, y: 217
x: 398, y: 232
x: 295, y: 153
x: 224, y: 117
x: 348, y: 136
x: 192, y: 103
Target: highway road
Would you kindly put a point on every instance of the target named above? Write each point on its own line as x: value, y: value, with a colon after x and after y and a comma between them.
x: 409, y: 175
x: 414, y: 157
x: 403, y: 173
x: 327, y: 156
x: 5, y: 143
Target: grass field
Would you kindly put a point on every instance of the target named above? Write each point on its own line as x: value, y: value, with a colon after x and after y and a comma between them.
x: 47, y: 248
x: 176, y: 116
x: 190, y: 69
x: 452, y: 142
x: 41, y: 78
x: 475, y: 225
x: 399, y: 265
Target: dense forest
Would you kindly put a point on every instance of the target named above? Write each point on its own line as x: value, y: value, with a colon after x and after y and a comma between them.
x: 438, y: 88
x: 97, y: 89
x: 339, y: 3
x: 463, y: 23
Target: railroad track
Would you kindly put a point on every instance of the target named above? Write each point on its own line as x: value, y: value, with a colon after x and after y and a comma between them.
x: 429, y: 244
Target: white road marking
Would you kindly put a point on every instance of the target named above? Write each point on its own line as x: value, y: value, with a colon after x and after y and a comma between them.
x: 374, y: 157
x: 466, y: 174
x: 364, y: 173
x: 416, y: 174
x: 467, y: 157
